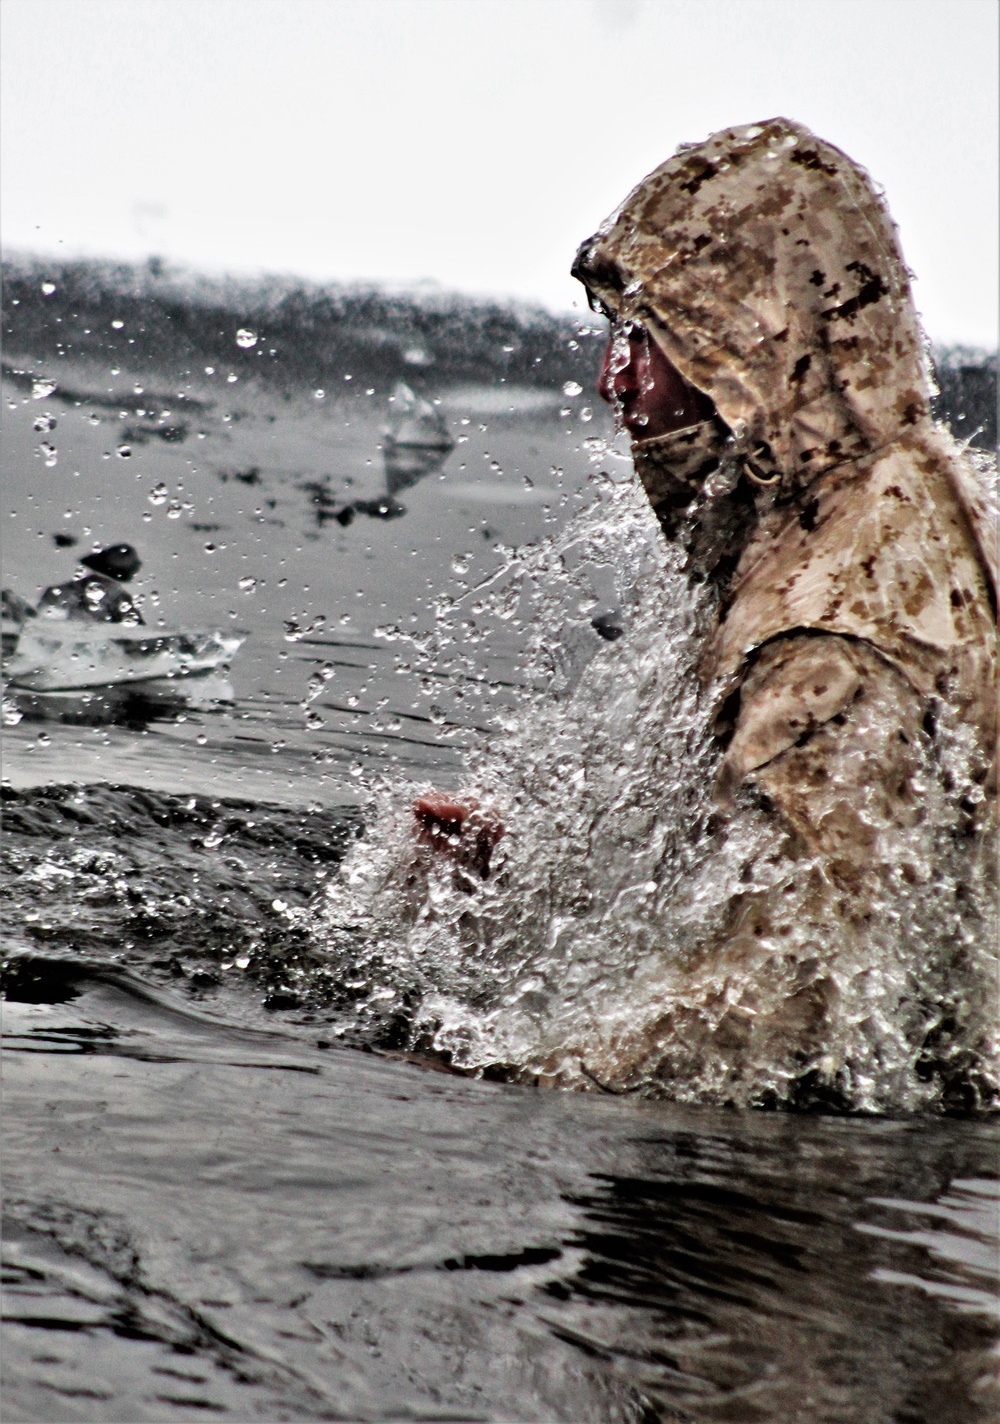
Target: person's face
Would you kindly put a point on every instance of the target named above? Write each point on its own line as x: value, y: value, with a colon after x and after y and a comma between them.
x: 648, y: 392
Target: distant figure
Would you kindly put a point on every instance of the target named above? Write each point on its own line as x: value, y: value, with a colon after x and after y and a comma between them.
x: 97, y: 595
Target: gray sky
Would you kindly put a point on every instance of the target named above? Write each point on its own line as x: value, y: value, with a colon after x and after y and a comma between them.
x: 476, y: 142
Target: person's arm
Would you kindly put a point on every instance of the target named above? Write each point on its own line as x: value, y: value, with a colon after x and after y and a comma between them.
x: 829, y: 740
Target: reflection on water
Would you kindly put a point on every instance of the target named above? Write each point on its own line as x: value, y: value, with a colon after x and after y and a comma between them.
x: 220, y: 1218
x: 406, y: 464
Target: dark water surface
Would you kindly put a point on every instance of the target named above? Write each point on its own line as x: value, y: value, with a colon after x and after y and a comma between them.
x: 214, y: 1207
x: 205, y: 1219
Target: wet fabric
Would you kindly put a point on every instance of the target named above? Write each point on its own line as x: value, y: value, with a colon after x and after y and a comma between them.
x: 848, y: 670
x: 767, y: 267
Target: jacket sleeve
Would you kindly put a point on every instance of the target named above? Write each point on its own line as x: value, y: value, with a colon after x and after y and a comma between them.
x: 829, y: 737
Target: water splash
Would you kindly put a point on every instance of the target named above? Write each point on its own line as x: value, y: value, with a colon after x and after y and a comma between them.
x: 613, y: 943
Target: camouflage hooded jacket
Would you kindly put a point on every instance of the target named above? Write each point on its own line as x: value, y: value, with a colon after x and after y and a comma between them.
x: 767, y: 267
x: 854, y: 646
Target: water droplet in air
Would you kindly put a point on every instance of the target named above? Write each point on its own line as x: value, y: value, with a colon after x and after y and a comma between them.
x: 436, y: 714
x: 314, y: 721
x: 42, y: 388
x: 586, y: 413
x: 48, y: 288
x: 572, y: 388
x: 231, y: 378
x: 248, y: 584
x: 460, y: 564
x: 158, y: 494
x: 209, y: 370
x: 320, y: 394
x: 11, y: 714
x: 201, y: 739
x: 246, y: 338
x: 124, y: 452
x: 242, y: 961
x: 174, y: 510
x: 49, y: 453
x: 209, y: 547
x: 117, y: 325
x: 45, y: 422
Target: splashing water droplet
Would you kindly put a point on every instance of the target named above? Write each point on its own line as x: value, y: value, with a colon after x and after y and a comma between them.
x: 314, y: 721
x: 49, y: 453
x: 248, y: 584
x: 45, y: 422
x: 572, y: 388
x: 242, y: 961
x: 42, y: 388
x: 246, y: 338
x: 174, y: 511
x: 460, y: 564
x: 586, y: 413
x: 158, y: 494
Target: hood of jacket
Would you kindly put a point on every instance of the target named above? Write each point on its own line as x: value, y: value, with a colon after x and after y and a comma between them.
x: 767, y: 267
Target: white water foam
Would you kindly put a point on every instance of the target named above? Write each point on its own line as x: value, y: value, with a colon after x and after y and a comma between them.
x: 602, y: 950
